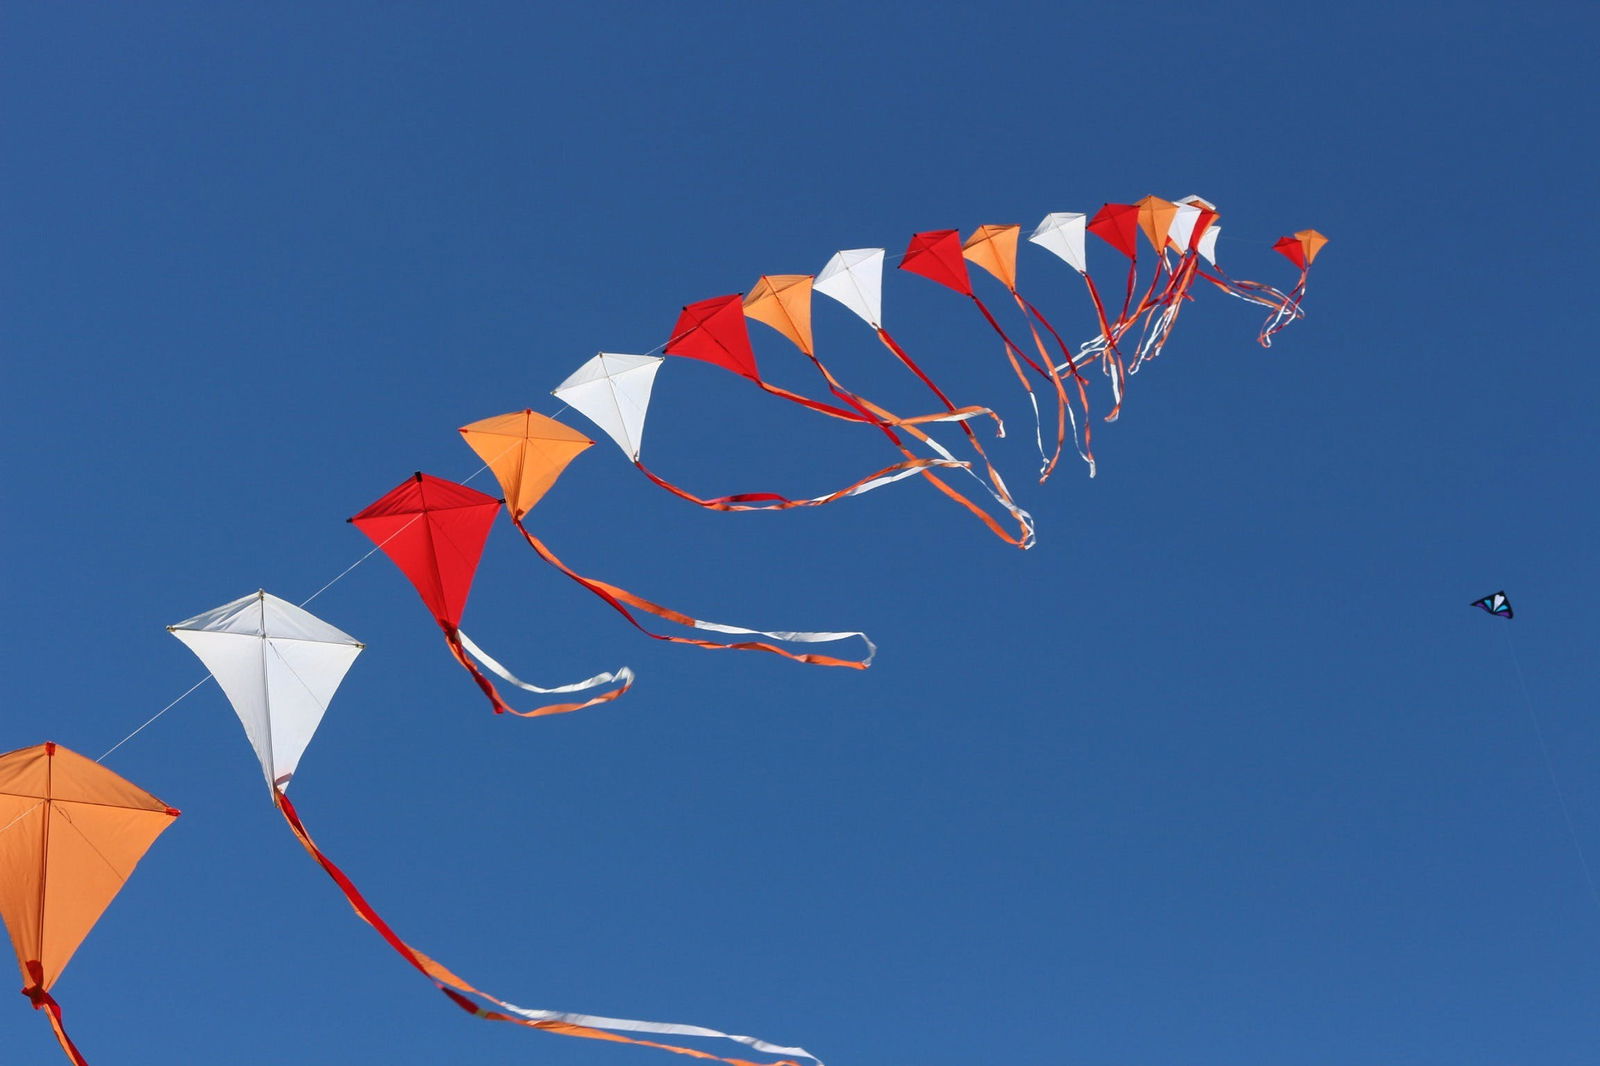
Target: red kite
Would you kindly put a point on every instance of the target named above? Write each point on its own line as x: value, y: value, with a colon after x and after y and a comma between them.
x: 71, y: 833
x: 434, y: 531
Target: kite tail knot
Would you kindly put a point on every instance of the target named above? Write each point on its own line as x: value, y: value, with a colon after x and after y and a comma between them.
x: 38, y: 997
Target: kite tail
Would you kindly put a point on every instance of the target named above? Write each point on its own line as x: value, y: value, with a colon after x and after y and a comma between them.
x: 995, y: 486
x: 1164, y: 315
x: 906, y: 361
x: 461, y: 646
x: 1086, y: 450
x: 1285, y: 307
x: 1012, y: 355
x: 768, y: 501
x: 44, y: 1001
x: 1063, y: 405
x: 458, y: 990
x: 621, y: 599
x: 959, y: 414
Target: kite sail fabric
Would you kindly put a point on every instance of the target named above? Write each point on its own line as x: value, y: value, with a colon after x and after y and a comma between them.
x: 612, y: 390
x: 71, y: 833
x: 784, y: 302
x: 939, y: 256
x: 1495, y: 603
x: 434, y: 531
x: 279, y: 666
x: 527, y: 452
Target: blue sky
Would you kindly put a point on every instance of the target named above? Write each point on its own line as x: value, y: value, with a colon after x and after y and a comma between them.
x: 1223, y: 772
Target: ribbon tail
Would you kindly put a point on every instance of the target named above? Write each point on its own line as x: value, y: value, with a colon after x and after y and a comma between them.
x: 462, y: 646
x: 44, y: 1001
x: 906, y: 361
x: 458, y: 990
x: 745, y: 501
x: 621, y: 599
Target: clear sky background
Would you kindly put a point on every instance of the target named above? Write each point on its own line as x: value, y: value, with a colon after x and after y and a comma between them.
x: 1224, y: 772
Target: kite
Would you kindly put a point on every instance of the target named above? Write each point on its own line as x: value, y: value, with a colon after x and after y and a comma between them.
x: 939, y: 256
x: 434, y: 531
x: 783, y: 301
x: 1495, y: 603
x: 71, y: 833
x: 612, y: 390
x: 527, y: 453
x: 279, y: 667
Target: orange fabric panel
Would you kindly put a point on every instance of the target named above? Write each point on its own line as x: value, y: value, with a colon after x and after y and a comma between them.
x: 73, y: 833
x: 1311, y: 242
x: 783, y: 301
x: 994, y: 248
x: 1155, y: 218
x: 21, y: 855
x: 526, y: 451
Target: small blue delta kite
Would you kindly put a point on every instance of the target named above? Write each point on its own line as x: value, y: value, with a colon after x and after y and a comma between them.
x: 1495, y: 603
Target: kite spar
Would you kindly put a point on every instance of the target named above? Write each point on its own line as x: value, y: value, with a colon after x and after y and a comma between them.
x: 71, y: 833
x: 527, y: 452
x: 279, y: 666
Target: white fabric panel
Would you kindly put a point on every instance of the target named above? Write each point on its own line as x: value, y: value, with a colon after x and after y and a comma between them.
x: 235, y: 661
x: 613, y: 391
x: 301, y: 680
x: 1062, y: 233
x: 1181, y: 231
x: 854, y: 277
x: 278, y: 665
x: 1208, y: 243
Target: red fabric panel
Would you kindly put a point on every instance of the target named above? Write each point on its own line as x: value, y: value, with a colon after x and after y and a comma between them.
x: 1118, y: 226
x: 714, y: 330
x: 1293, y: 250
x: 434, y: 530
x: 936, y: 254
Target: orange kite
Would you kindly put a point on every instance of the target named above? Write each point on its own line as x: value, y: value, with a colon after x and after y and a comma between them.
x: 71, y: 832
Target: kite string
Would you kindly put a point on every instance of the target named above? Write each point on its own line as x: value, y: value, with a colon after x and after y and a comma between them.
x: 153, y: 717
x: 1549, y: 767
x: 336, y: 579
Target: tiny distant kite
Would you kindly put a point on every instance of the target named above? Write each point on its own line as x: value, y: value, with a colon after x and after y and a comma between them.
x: 279, y: 666
x: 71, y: 832
x: 1494, y: 603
